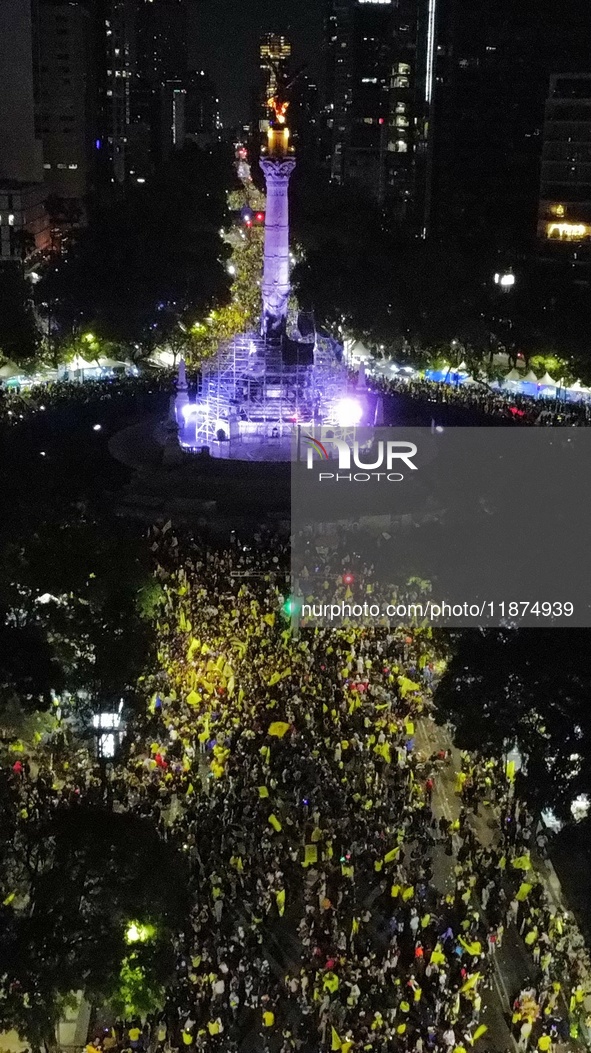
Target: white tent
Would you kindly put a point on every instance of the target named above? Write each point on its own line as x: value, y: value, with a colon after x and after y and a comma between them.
x: 77, y: 362
x: 9, y: 370
x: 530, y: 378
x: 110, y: 363
x: 577, y: 386
x: 513, y: 377
x: 546, y: 381
x: 469, y: 382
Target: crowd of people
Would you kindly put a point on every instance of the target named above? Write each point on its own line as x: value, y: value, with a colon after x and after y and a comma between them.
x: 335, y: 903
x: 506, y: 407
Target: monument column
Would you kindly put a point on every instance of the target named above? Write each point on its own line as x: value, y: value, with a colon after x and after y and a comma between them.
x: 277, y: 164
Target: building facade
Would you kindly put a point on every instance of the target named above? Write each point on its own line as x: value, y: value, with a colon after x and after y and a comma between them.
x: 564, y: 217
x: 493, y: 64
x: 380, y: 53
x: 67, y: 97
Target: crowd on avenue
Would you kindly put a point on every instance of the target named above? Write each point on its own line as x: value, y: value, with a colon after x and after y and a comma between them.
x: 288, y: 767
x: 505, y: 406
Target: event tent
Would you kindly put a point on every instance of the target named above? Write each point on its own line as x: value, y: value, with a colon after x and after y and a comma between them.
x: 9, y: 370
x: 514, y: 377
x: 546, y: 381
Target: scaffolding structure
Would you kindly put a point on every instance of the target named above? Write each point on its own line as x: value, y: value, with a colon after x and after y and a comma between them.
x: 257, y: 389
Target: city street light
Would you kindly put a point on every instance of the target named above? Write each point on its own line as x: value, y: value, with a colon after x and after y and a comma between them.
x: 506, y: 280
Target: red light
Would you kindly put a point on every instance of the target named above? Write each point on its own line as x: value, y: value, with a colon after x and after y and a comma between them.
x: 260, y: 217
x: 381, y: 120
x: 248, y: 222
x: 348, y: 579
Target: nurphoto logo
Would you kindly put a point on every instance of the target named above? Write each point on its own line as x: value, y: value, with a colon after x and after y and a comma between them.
x: 385, y: 455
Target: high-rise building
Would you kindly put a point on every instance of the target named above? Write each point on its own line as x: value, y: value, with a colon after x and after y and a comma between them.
x: 564, y: 217
x: 67, y: 96
x: 274, y: 51
x: 492, y: 68
x: 20, y: 149
x: 23, y: 222
x: 119, y: 66
x: 377, y: 106
x: 161, y: 58
x: 190, y: 111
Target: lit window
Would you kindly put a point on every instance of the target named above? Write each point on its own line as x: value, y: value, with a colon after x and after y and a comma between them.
x: 401, y: 146
x: 11, y: 219
x: 72, y: 166
x: 403, y: 67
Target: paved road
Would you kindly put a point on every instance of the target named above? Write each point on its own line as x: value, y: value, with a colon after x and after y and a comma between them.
x: 511, y: 966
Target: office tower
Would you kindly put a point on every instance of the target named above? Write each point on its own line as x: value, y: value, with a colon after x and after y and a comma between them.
x: 20, y: 149
x: 23, y: 225
x: 304, y: 119
x: 161, y: 59
x: 67, y: 115
x: 378, y: 100
x: 564, y: 217
x: 119, y: 68
x: 275, y: 51
x: 492, y: 70
x: 190, y: 112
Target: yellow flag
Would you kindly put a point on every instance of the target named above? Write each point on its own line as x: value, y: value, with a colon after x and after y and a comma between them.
x: 522, y: 862
x: 391, y: 855
x: 263, y: 791
x: 269, y: 619
x: 473, y: 948
x: 470, y: 983
x: 280, y: 898
x: 437, y: 956
x: 278, y: 728
x: 274, y: 679
x: 275, y: 822
x: 6, y: 902
x: 523, y: 892
x: 335, y: 1040
x: 480, y: 1031
x: 310, y: 855
x: 408, y: 892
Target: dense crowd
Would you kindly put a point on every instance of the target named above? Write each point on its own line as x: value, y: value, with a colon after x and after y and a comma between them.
x: 505, y: 406
x: 335, y: 904
x: 56, y: 395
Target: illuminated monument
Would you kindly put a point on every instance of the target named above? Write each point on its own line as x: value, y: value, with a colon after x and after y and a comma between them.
x: 261, y: 385
x: 277, y: 163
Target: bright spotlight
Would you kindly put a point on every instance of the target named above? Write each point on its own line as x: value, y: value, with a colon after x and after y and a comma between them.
x: 348, y: 413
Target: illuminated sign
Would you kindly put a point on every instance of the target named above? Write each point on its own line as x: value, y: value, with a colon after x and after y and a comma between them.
x: 568, y: 231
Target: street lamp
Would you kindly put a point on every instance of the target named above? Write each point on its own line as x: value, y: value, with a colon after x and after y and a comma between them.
x: 505, y: 279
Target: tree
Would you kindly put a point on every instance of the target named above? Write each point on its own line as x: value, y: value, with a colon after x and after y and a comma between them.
x: 157, y: 249
x: 530, y: 688
x: 19, y: 336
x: 84, y: 874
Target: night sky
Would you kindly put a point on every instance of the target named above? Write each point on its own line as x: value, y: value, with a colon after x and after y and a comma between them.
x: 225, y: 36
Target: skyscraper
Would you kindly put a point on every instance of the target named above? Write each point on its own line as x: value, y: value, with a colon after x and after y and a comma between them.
x: 564, y: 219
x: 67, y: 117
x: 23, y: 223
x: 492, y: 70
x: 20, y: 149
x: 119, y: 69
x: 378, y: 101
x: 275, y: 51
